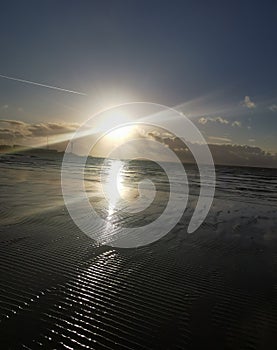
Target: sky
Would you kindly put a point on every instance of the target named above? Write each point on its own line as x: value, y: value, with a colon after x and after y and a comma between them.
x: 215, y: 60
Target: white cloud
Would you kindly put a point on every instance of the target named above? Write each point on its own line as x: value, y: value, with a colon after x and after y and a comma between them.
x: 248, y: 103
x: 220, y: 139
x: 221, y: 120
x: 251, y: 140
x: 236, y: 123
x: 205, y: 120
x: 202, y: 120
x: 273, y: 108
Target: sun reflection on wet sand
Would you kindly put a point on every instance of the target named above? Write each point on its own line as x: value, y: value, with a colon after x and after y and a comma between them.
x: 113, y: 185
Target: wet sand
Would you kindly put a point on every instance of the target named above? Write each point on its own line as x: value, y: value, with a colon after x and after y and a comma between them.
x: 216, y: 288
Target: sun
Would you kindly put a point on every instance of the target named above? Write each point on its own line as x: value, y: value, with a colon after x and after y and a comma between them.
x: 120, y: 133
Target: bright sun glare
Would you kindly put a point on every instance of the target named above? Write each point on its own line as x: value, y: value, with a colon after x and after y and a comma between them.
x: 120, y: 133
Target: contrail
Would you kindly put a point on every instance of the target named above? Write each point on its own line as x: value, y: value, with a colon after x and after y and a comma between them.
x: 43, y: 85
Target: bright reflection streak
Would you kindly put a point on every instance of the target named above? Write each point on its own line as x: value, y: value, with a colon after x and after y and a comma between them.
x: 113, y: 186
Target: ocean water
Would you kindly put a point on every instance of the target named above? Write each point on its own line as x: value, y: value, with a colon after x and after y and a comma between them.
x: 61, y: 289
x: 32, y: 185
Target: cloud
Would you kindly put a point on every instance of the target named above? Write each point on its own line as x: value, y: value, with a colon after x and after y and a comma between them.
x: 48, y: 129
x: 273, y: 108
x: 13, y: 122
x: 205, y: 120
x: 223, y: 151
x: 8, y: 135
x: 15, y: 130
x: 243, y: 155
x: 232, y: 154
x: 220, y: 120
x: 248, y: 103
x: 236, y: 123
x: 220, y: 139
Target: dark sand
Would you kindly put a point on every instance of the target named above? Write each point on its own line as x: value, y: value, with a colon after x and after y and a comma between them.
x: 216, y: 288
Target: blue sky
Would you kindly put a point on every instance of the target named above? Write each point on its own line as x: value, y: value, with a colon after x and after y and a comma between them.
x: 214, y: 58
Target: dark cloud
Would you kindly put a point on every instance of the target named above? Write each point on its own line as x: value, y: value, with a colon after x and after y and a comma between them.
x: 13, y: 122
x: 18, y: 129
x: 228, y: 154
x: 242, y: 155
x: 47, y: 129
x: 10, y: 135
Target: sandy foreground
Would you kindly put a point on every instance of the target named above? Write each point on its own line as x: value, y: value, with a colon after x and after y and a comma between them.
x: 216, y: 287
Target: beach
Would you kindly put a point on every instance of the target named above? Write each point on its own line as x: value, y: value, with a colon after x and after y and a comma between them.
x: 60, y: 289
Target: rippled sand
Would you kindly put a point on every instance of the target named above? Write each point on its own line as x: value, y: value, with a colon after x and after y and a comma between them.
x: 216, y: 288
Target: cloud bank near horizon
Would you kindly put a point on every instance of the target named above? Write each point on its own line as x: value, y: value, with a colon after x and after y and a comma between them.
x: 223, y: 150
x: 15, y: 131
